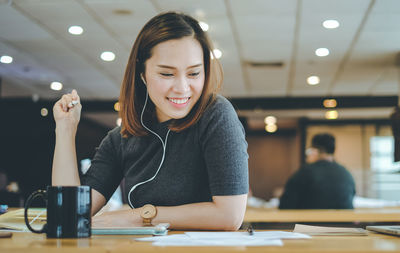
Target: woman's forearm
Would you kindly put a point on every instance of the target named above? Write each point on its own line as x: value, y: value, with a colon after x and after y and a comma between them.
x: 224, y: 213
x: 203, y: 216
x: 65, y: 169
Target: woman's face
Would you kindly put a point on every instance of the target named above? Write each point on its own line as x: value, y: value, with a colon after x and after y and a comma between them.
x: 175, y: 77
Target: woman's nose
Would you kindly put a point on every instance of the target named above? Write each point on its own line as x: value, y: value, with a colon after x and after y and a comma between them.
x: 181, y: 85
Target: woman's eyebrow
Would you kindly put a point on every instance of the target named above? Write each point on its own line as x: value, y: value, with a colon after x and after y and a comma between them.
x: 171, y: 67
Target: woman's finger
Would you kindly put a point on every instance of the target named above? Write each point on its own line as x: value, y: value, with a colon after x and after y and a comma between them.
x: 74, y: 99
x: 75, y: 96
x: 65, y: 100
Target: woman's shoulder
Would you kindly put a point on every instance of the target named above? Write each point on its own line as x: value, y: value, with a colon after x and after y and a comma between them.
x: 115, y: 132
x: 220, y: 106
x: 221, y: 101
x: 114, y: 136
x: 220, y: 114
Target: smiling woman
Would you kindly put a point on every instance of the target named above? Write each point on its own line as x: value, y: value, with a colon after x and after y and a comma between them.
x: 181, y: 147
x: 175, y: 87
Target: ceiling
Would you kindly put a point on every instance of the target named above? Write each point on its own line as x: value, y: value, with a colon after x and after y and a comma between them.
x: 268, y: 46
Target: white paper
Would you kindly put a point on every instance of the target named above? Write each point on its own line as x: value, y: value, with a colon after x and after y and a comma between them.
x: 318, y: 230
x: 264, y: 238
x: 219, y: 242
x: 162, y: 238
x: 268, y: 235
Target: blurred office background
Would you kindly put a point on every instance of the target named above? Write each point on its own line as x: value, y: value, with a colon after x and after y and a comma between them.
x: 293, y: 68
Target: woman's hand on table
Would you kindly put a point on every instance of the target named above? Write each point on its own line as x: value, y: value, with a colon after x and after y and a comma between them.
x: 119, y: 218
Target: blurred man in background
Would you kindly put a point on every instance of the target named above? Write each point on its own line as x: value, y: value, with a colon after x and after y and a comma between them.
x: 322, y: 183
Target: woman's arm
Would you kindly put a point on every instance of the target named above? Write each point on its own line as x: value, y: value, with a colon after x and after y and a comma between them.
x: 224, y: 213
x: 65, y: 168
x: 67, y: 116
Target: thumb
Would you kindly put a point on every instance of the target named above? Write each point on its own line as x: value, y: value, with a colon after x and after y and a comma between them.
x: 75, y: 95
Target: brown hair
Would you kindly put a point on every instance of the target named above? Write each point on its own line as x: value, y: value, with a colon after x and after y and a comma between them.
x: 164, y: 27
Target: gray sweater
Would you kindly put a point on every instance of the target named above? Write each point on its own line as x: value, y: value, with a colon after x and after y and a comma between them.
x: 205, y: 160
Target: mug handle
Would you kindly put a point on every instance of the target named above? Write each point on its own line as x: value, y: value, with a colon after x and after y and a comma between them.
x: 38, y: 193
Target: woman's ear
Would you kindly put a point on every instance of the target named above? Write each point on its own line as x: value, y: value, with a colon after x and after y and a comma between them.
x: 141, y: 76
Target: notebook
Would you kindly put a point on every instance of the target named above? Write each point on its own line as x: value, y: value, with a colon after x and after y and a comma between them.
x: 391, y: 230
x: 160, y: 229
x: 335, y: 231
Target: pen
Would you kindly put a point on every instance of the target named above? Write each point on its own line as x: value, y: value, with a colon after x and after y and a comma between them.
x: 250, y: 230
x: 73, y: 103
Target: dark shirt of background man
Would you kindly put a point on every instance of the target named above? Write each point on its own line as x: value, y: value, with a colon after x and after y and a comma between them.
x: 321, y: 184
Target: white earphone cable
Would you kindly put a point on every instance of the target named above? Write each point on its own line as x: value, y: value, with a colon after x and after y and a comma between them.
x: 164, y: 145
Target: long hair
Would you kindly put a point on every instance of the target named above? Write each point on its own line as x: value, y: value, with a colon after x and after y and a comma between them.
x: 164, y: 27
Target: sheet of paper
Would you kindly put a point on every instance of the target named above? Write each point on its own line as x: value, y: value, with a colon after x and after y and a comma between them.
x: 15, y: 219
x: 162, y: 238
x: 259, y: 234
x: 260, y: 238
x: 318, y: 230
x: 222, y: 242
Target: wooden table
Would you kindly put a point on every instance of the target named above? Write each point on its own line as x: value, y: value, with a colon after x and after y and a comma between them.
x: 364, y: 215
x: 32, y: 243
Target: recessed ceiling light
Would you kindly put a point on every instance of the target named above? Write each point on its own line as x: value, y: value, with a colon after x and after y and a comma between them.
x: 217, y: 53
x: 331, y: 114
x: 107, y: 56
x: 270, y: 120
x: 56, y: 86
x: 330, y: 24
x: 204, y: 26
x: 117, y: 107
x: 75, y: 30
x: 271, y: 128
x: 330, y: 103
x: 6, y: 59
x: 122, y: 12
x: 313, y: 80
x: 322, y: 52
x: 44, y: 112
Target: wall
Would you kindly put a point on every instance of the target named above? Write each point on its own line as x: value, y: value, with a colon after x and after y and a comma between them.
x: 27, y: 144
x: 272, y: 159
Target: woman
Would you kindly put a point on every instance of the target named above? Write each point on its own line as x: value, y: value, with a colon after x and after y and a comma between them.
x: 181, y: 148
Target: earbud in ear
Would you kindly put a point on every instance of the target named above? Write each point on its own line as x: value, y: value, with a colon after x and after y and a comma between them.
x: 141, y: 76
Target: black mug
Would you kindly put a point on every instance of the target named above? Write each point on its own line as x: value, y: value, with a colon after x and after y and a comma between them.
x: 68, y: 211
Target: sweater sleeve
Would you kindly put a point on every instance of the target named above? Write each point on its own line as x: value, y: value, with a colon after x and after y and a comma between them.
x: 223, y: 143
x: 104, y: 174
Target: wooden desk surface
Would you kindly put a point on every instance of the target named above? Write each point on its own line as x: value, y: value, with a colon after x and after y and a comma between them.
x: 28, y: 242
x: 356, y: 215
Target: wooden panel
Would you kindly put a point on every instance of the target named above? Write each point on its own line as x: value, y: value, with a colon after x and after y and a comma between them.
x: 272, y: 159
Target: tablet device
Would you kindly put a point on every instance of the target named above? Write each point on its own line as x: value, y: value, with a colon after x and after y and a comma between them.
x: 391, y: 230
x: 160, y: 229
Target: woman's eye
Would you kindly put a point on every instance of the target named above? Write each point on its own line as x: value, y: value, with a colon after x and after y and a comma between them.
x: 194, y: 74
x: 166, y: 74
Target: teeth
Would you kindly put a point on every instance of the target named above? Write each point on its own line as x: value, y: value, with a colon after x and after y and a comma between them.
x: 178, y: 101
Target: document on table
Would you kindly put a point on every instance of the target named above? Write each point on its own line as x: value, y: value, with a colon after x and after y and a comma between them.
x: 264, y: 238
x: 317, y: 230
x: 14, y: 220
